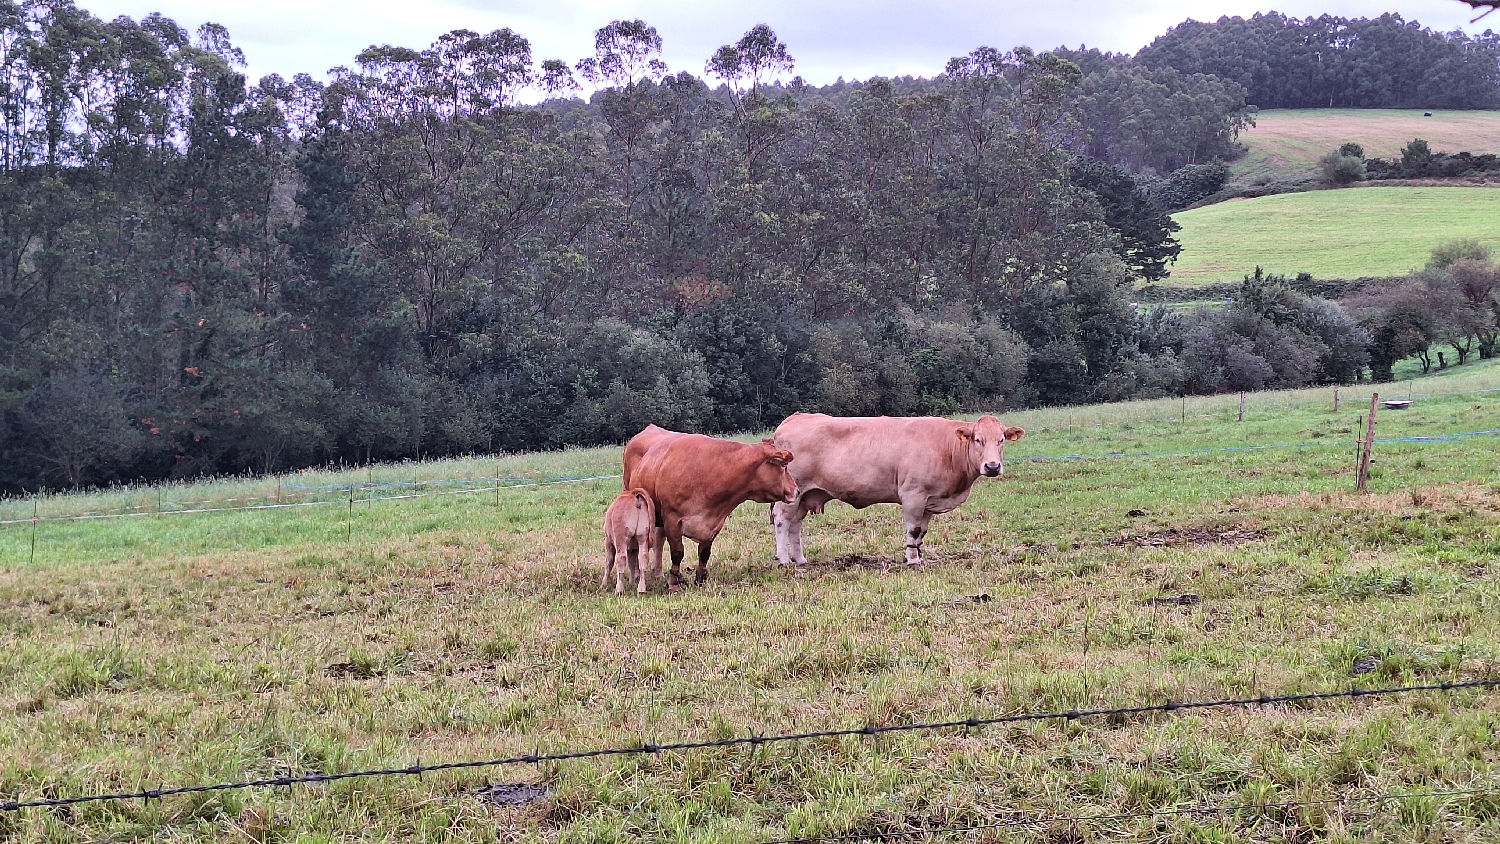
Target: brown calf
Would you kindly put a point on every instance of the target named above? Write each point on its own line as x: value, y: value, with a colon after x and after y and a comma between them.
x: 629, y: 531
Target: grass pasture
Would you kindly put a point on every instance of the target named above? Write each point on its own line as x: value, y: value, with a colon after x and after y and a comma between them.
x: 224, y: 645
x: 1351, y: 233
x: 1287, y: 143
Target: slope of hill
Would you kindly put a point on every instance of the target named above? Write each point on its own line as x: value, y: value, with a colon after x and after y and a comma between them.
x: 1287, y: 143
x: 1351, y: 233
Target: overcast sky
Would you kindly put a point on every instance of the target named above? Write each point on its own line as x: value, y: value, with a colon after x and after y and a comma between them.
x: 855, y: 39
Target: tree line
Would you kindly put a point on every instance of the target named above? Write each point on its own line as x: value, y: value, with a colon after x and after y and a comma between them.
x: 1336, y: 62
x: 203, y: 276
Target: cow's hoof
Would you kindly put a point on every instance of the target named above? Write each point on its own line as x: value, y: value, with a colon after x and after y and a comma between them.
x: 674, y: 588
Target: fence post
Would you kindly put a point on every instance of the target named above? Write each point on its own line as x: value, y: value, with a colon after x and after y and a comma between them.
x: 1362, y: 477
x: 32, y: 559
x: 278, y: 489
x: 497, y: 483
x: 1335, y: 399
x: 1242, y: 405
x: 1184, y: 409
x: 349, y: 518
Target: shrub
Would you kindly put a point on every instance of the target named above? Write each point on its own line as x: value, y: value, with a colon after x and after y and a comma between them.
x: 1340, y: 169
x: 1457, y: 250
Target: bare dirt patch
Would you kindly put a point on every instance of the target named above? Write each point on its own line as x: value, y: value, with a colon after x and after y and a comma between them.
x: 1192, y: 535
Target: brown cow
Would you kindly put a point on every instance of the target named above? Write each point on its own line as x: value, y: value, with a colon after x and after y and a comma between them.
x: 928, y: 465
x: 640, y: 444
x: 697, y: 481
x: 629, y: 531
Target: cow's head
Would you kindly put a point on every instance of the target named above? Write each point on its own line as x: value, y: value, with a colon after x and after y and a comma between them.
x: 986, y: 441
x: 771, y: 481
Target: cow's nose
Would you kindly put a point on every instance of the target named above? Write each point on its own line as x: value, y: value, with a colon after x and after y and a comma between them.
x: 993, y: 470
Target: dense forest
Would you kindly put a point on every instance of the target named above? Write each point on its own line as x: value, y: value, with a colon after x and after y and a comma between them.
x: 1329, y: 61
x: 203, y: 276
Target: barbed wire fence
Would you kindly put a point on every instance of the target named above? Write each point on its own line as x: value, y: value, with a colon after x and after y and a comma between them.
x: 348, y: 491
x: 753, y: 741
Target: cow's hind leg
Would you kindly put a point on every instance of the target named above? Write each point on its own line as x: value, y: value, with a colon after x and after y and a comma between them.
x: 609, y: 562
x: 916, y: 518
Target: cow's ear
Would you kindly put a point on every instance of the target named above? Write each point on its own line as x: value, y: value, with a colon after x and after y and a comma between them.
x: 966, y: 432
x: 1013, y: 434
x: 779, y: 458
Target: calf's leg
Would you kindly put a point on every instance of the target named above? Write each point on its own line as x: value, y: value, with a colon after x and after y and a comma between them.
x: 609, y: 562
x: 643, y: 569
x: 623, y: 568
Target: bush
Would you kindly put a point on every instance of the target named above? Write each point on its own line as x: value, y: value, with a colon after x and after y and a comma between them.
x: 1340, y: 169
x: 1464, y: 248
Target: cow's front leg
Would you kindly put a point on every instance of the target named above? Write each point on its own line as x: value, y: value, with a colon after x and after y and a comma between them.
x: 704, y: 548
x: 787, y: 519
x: 916, y: 529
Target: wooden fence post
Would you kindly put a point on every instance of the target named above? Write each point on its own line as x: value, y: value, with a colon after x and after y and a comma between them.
x: 1362, y: 478
x: 1242, y: 405
x: 1335, y: 399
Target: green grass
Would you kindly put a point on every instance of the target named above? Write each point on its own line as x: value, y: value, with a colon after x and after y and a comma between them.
x: 1287, y: 143
x: 1351, y: 233
x: 191, y: 648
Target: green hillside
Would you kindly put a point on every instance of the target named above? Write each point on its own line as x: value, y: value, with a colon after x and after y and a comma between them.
x: 1287, y: 143
x: 1351, y: 233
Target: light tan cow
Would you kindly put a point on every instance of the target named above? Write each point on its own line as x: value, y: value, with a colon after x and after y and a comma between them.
x: 928, y: 465
x: 629, y: 531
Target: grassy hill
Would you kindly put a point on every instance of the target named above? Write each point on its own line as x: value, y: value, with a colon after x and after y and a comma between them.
x: 178, y: 648
x: 1286, y: 144
x: 1349, y: 233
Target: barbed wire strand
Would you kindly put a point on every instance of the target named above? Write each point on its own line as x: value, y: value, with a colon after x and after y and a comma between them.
x: 869, y: 730
x: 1258, y: 808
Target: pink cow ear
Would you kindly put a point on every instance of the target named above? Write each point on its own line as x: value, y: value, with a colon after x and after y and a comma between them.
x: 779, y: 458
x: 966, y: 432
x: 1013, y: 434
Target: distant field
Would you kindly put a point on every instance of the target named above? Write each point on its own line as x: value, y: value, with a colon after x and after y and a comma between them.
x: 1287, y: 143
x: 1352, y: 233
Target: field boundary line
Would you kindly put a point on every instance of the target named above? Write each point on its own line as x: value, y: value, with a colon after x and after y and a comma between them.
x: 753, y: 741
